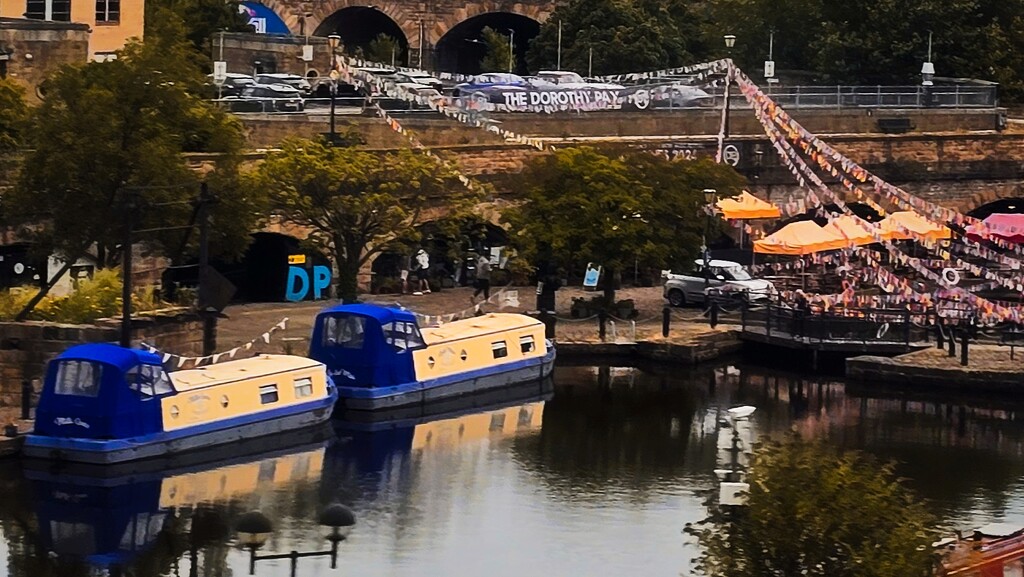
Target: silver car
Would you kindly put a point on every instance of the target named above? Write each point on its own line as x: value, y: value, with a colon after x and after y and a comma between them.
x: 724, y: 277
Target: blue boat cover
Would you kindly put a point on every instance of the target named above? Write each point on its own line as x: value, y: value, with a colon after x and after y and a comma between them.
x: 119, y: 357
x: 369, y: 363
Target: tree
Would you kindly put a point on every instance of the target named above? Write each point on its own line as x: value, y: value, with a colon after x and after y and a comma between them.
x: 357, y: 203
x: 585, y: 206
x: 384, y: 49
x: 499, y: 57
x: 13, y: 114
x: 817, y: 512
x: 107, y: 148
x: 202, y: 19
x: 623, y: 36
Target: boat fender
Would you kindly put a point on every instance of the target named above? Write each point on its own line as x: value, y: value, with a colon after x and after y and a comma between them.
x: 882, y: 330
x: 951, y: 276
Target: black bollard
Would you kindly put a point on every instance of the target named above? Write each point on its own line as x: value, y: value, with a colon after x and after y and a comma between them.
x: 549, y: 324
x: 666, y: 320
x: 602, y: 319
x: 26, y: 398
x: 939, y: 336
x: 714, y: 313
x: 952, y: 342
x: 964, y: 338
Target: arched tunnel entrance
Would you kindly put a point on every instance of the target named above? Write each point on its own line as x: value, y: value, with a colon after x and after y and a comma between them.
x: 359, y: 26
x: 461, y: 49
x: 1002, y: 206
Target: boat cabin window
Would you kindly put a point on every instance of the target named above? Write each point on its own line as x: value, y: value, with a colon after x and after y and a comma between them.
x: 303, y: 387
x: 78, y: 378
x: 403, y: 335
x: 500, y: 349
x: 345, y: 331
x: 148, y: 381
x: 268, y: 394
x: 526, y: 344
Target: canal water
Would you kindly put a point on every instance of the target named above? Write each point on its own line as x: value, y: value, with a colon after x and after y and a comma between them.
x: 595, y: 474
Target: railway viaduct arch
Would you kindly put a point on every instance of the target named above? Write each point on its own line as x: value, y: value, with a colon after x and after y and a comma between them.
x: 439, y: 34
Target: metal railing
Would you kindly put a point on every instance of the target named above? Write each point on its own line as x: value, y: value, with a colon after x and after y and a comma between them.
x: 839, y: 97
x: 878, y: 326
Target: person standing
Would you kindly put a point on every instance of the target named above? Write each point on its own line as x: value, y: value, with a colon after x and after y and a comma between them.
x: 483, y: 279
x: 423, y: 272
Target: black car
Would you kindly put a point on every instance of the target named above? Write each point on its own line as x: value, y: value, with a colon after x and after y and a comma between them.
x: 233, y: 84
x: 267, y: 98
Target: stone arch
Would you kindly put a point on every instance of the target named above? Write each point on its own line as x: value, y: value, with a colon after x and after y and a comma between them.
x: 538, y: 12
x: 397, y: 11
x: 461, y: 50
x: 995, y: 197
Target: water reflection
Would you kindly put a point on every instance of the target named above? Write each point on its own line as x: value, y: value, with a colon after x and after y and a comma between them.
x: 597, y: 479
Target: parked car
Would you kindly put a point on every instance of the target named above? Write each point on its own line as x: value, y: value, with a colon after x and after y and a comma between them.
x: 492, y: 82
x: 419, y: 78
x: 666, y: 94
x: 233, y: 84
x: 725, y: 277
x: 419, y: 95
x: 571, y: 80
x: 267, y: 98
x: 294, y: 80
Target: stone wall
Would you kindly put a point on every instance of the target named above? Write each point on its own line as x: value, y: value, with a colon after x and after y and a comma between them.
x: 25, y: 348
x: 38, y: 48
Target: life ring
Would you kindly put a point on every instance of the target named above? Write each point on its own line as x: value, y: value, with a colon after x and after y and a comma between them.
x: 882, y: 330
x: 951, y: 276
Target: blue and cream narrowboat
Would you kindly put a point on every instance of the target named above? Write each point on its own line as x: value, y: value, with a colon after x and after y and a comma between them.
x: 380, y: 358
x: 107, y: 404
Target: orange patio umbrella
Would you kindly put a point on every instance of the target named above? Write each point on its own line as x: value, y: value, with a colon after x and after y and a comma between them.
x: 800, y: 238
x: 852, y: 228
x: 892, y: 227
x: 746, y: 206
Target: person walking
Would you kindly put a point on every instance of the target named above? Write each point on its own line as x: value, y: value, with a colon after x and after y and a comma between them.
x: 483, y: 279
x: 423, y: 272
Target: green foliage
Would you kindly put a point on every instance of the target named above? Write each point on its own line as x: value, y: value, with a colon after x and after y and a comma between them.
x: 13, y: 114
x: 357, y: 203
x: 107, y: 129
x: 585, y: 206
x: 93, y: 299
x: 385, y: 49
x: 202, y: 19
x: 499, y: 55
x: 625, y: 36
x: 816, y: 512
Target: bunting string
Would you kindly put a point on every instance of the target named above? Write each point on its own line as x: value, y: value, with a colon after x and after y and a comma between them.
x: 174, y: 361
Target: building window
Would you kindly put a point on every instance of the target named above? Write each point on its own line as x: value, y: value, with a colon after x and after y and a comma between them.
x: 500, y: 349
x: 268, y: 394
x: 108, y: 11
x: 56, y: 10
x: 303, y: 387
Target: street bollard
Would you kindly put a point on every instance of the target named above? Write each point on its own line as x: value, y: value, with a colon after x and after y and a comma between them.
x: 952, y: 342
x: 26, y: 398
x: 549, y: 324
x: 939, y: 344
x: 602, y: 318
x: 666, y: 319
x: 714, y: 314
x: 964, y: 338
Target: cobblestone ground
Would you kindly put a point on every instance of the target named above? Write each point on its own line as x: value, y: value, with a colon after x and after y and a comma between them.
x: 248, y: 321
x: 980, y: 358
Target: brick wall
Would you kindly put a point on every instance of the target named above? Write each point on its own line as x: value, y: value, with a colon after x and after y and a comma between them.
x: 25, y: 348
x: 39, y: 48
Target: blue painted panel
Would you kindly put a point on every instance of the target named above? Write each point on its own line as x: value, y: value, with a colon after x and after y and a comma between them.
x: 263, y: 19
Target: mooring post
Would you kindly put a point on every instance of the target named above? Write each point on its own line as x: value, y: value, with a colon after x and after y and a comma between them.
x: 602, y: 318
x: 666, y: 320
x: 964, y: 339
x: 906, y: 327
x: 952, y: 341
x: 26, y: 398
x: 714, y: 313
x: 939, y: 344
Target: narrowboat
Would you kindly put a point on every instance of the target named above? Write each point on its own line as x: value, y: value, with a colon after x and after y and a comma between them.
x: 995, y: 549
x: 104, y: 404
x: 380, y: 358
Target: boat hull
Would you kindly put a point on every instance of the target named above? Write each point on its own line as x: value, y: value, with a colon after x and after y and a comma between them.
x: 469, y: 383
x: 104, y: 452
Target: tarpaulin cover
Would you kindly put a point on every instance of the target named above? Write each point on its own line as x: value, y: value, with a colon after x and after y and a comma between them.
x: 1009, y: 227
x: 802, y: 237
x: 852, y: 228
x: 746, y: 206
x: 893, y: 227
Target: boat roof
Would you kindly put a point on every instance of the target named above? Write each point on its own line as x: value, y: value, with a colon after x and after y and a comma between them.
x: 120, y: 357
x: 476, y: 326
x: 380, y: 313
x: 237, y: 370
x: 999, y: 529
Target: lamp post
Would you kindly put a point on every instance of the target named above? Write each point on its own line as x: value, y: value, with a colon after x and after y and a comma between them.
x: 333, y: 41
x: 254, y: 528
x: 709, y: 198
x: 511, y: 48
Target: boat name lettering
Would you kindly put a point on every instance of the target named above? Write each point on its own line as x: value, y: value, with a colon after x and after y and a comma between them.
x: 68, y: 421
x: 342, y: 373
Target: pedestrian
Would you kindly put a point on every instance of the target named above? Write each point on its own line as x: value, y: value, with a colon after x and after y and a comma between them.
x: 423, y: 272
x: 483, y: 279
x: 406, y: 266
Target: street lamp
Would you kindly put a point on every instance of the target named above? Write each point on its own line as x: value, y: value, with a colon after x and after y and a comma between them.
x: 333, y: 41
x: 511, y: 37
x: 730, y: 41
x: 709, y: 198
x: 254, y: 528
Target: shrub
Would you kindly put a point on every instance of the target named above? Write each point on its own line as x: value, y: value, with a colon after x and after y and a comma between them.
x: 92, y: 299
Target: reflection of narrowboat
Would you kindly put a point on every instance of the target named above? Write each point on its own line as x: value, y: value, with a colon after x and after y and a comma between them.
x: 995, y: 549
x: 110, y: 516
x: 381, y: 359
x: 106, y: 404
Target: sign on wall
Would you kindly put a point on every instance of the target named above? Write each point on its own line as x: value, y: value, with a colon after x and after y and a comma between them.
x: 307, y: 284
x: 263, y: 19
